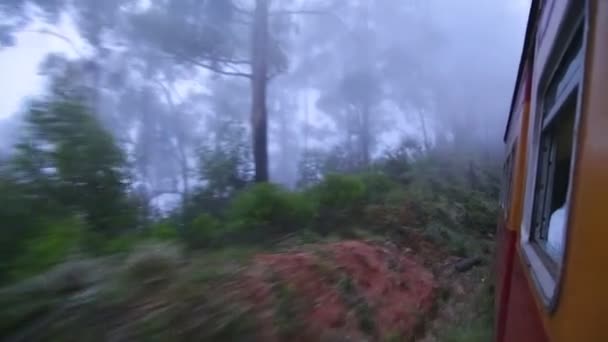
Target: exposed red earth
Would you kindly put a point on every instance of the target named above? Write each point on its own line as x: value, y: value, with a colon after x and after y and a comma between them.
x: 352, y: 289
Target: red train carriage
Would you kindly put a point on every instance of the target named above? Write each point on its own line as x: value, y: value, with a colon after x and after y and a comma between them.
x: 552, y: 260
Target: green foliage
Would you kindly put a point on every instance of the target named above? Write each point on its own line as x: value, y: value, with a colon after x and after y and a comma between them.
x: 67, y: 158
x: 268, y: 208
x: 337, y: 192
x: 338, y: 199
x: 476, y: 324
x: 396, y: 196
x: 202, y: 232
x: 310, y: 168
x: 163, y: 231
x: 152, y: 263
x: 342, y: 160
x: 356, y: 302
x: 50, y: 246
x: 68, y: 171
x: 225, y: 164
x: 457, y: 241
x: 286, y: 311
x: 396, y: 162
x: 17, y: 222
x: 377, y: 186
x: 18, y: 304
x: 470, y: 332
x: 480, y: 212
x: 121, y: 244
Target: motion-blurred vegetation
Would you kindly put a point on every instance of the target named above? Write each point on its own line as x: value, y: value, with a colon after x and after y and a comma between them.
x: 138, y: 186
x: 70, y: 173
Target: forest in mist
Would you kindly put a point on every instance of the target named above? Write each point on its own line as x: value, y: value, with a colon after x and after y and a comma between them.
x: 221, y: 122
x: 354, y: 79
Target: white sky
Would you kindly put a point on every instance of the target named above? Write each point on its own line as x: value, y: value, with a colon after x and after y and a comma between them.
x: 19, y: 64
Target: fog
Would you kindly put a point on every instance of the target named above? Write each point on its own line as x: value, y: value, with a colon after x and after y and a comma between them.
x: 173, y: 81
x: 274, y: 170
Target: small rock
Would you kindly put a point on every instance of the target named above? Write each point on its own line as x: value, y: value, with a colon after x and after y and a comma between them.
x: 467, y: 263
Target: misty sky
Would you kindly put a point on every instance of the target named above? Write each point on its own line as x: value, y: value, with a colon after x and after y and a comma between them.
x: 472, y: 65
x: 19, y: 64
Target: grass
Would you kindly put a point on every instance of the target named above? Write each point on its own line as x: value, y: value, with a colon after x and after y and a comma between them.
x: 356, y: 302
x: 473, y: 331
x: 178, y: 294
x: 153, y: 294
x: 365, y: 317
x: 457, y: 241
x: 219, y: 264
x: 476, y: 322
x: 286, y: 310
x: 233, y: 254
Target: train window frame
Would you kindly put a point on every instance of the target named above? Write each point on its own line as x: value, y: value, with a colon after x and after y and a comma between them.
x: 507, y: 186
x: 569, y: 87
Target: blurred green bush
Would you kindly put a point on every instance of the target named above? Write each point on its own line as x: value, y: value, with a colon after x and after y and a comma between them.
x: 377, y: 186
x: 50, y: 245
x: 204, y: 231
x: 151, y: 263
x: 268, y: 208
x: 163, y: 231
x: 339, y: 192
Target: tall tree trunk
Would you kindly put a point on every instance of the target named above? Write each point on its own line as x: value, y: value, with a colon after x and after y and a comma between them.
x: 425, y: 137
x: 259, y: 78
x: 306, y: 114
x: 365, y: 135
x: 286, y: 150
x: 183, y: 165
x: 180, y: 144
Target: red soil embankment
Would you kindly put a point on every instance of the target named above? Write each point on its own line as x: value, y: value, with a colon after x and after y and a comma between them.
x: 350, y: 288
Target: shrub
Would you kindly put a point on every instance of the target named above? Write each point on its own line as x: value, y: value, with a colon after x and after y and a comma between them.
x: 480, y: 213
x: 377, y: 186
x: 339, y: 198
x: 163, y: 231
x: 396, y: 196
x: 476, y: 324
x: 458, y: 242
x: 271, y: 208
x: 72, y: 276
x: 340, y: 192
x: 122, y: 243
x: 52, y: 245
x: 203, y: 231
x: 151, y: 263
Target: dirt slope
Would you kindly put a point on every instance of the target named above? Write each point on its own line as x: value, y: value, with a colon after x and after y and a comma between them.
x: 349, y: 290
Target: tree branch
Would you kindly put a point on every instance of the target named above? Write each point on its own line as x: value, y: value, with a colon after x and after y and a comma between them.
x: 246, y: 15
x: 152, y: 195
x: 59, y: 36
x: 277, y: 72
x: 292, y: 12
x: 228, y: 60
x: 211, y: 67
x: 241, y: 10
x: 309, y: 12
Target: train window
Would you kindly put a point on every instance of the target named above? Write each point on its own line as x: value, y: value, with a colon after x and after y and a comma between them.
x: 559, y: 106
x: 553, y: 129
x: 553, y: 179
x: 505, y: 198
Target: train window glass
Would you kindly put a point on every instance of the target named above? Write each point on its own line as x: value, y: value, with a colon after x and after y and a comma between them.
x: 555, y: 149
x: 554, y: 121
x: 505, y: 182
x: 553, y: 178
x: 565, y: 73
x: 508, y: 180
